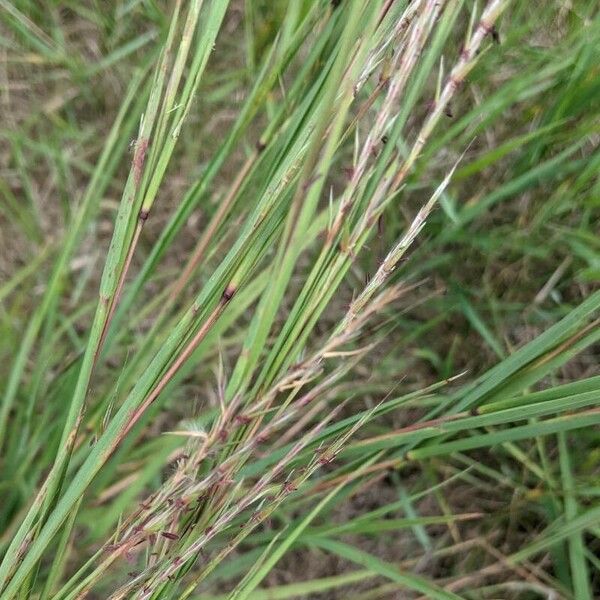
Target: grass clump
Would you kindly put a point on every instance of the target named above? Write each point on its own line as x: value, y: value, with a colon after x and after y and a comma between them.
x: 340, y: 306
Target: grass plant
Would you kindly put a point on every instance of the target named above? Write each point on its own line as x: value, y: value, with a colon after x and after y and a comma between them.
x: 301, y: 282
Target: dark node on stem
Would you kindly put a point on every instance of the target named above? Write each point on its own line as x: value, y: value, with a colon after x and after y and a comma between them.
x: 495, y: 35
x: 335, y: 3
x: 260, y: 146
x: 448, y: 111
x: 169, y: 535
x: 455, y: 82
x: 384, y: 139
x: 312, y: 180
x: 473, y: 411
x: 325, y: 458
x: 487, y: 28
x: 261, y: 438
x: 289, y: 487
x: 228, y: 293
x: 242, y: 419
x: 143, y: 216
